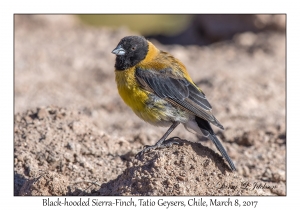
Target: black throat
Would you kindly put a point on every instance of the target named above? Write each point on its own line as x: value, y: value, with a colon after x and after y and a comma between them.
x: 131, y: 57
x: 124, y: 62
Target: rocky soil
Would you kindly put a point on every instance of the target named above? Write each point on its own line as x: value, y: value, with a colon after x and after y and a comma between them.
x: 73, y: 135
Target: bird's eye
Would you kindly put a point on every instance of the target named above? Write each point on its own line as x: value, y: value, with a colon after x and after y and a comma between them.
x: 133, y: 48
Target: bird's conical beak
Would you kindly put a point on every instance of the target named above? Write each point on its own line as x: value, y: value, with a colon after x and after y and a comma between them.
x: 119, y: 50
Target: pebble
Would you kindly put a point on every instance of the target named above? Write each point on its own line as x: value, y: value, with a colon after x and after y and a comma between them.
x: 42, y: 113
x: 246, y: 171
x: 28, y: 119
x: 69, y: 157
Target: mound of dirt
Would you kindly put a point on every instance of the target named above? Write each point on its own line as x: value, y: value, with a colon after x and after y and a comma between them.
x: 57, y: 140
x: 58, y: 152
x: 188, y: 169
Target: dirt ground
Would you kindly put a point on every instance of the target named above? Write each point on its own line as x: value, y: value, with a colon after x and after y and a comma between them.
x: 73, y: 135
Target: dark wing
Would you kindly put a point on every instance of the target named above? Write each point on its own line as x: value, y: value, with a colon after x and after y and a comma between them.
x: 178, y: 91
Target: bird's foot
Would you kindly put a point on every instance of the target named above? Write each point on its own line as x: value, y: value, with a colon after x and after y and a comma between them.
x: 166, y: 143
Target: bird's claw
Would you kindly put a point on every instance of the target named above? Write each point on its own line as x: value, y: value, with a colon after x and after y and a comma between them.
x: 147, y: 148
x: 169, y: 143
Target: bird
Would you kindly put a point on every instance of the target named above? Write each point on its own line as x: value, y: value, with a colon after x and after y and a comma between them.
x: 159, y: 90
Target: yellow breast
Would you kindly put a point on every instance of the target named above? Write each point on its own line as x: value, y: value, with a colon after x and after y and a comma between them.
x: 134, y: 96
x: 129, y: 89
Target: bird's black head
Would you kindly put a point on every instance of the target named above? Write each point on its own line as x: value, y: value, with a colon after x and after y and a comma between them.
x: 130, y: 51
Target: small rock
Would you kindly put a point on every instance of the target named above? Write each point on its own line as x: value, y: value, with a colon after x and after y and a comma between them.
x: 276, y: 177
x: 18, y: 118
x: 181, y: 178
x: 267, y: 175
x: 42, y: 113
x: 246, y: 171
x: 78, y: 127
x: 279, y: 190
x: 248, y: 139
x: 69, y: 157
x: 28, y: 119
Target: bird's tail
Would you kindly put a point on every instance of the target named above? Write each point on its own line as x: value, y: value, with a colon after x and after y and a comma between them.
x: 209, y: 133
x: 220, y: 147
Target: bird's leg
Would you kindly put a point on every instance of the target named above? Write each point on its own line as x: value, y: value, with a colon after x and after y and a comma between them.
x: 159, y: 143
